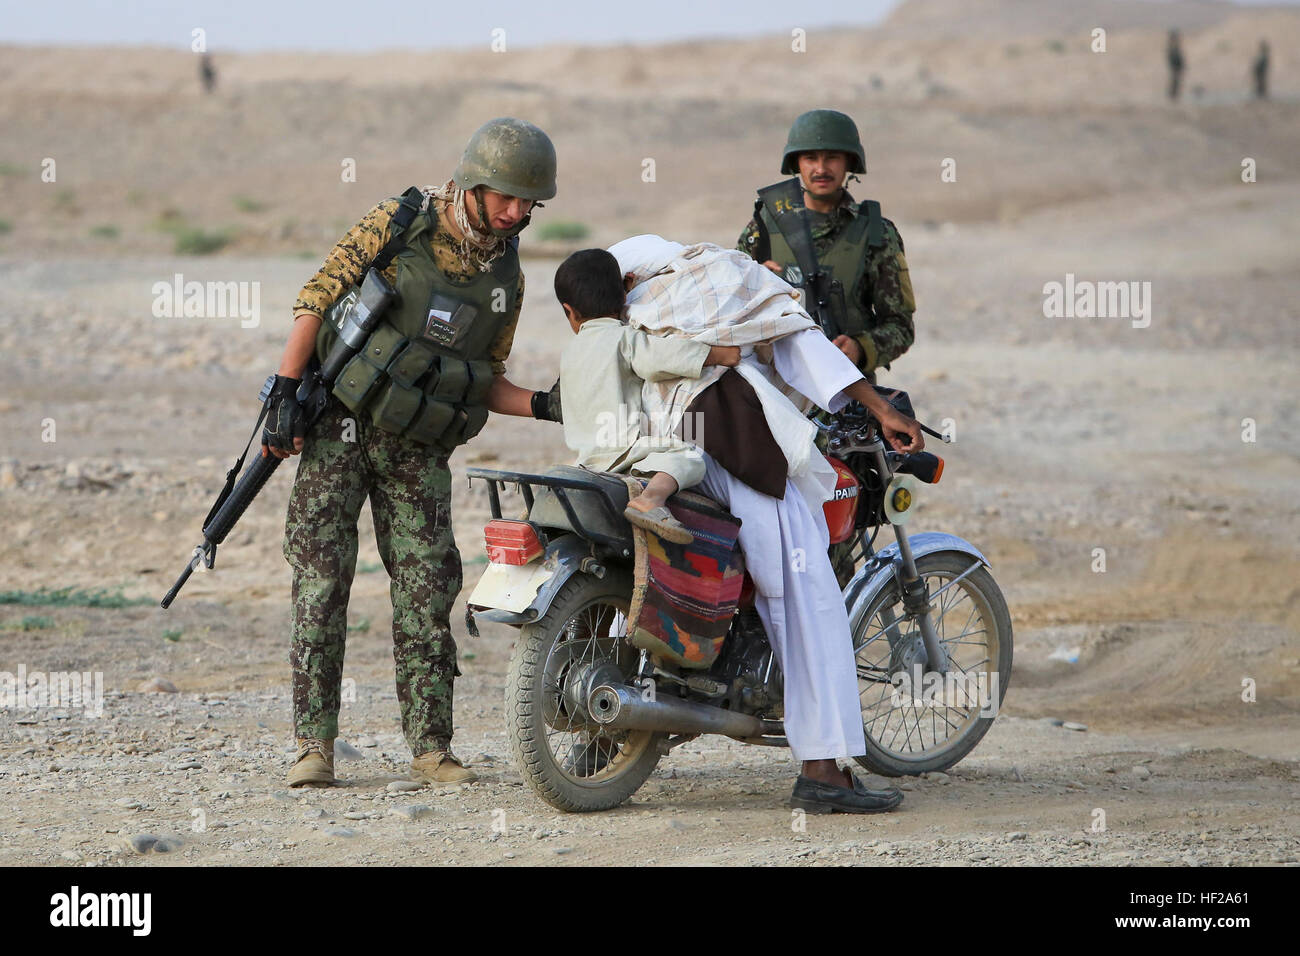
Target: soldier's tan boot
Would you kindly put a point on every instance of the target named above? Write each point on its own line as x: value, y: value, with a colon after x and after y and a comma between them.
x: 441, y: 767
x: 315, y: 764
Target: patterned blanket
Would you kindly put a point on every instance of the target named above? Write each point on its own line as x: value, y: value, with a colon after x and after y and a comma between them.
x: 684, y: 595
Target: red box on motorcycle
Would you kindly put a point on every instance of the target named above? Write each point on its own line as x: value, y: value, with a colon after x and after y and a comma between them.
x: 511, y: 542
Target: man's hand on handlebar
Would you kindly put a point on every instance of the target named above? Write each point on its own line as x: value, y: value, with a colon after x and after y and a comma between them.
x: 900, y: 430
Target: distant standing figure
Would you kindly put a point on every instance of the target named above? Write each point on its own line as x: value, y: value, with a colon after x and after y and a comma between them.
x: 1174, y: 53
x: 208, y: 73
x: 1261, y: 71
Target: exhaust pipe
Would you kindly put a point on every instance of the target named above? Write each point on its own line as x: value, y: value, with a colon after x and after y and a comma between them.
x: 622, y: 707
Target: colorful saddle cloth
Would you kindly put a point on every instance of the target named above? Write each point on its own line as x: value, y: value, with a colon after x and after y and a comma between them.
x: 684, y: 595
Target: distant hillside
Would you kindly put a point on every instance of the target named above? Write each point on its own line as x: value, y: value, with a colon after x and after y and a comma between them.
x: 1010, y: 89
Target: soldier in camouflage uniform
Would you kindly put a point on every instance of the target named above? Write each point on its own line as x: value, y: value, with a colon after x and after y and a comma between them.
x: 455, y: 259
x: 823, y: 149
x: 862, y: 250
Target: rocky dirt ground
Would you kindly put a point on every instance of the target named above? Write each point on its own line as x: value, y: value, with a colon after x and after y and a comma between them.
x: 1072, y: 435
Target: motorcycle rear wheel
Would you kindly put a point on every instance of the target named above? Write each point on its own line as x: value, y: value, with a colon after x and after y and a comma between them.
x: 569, y: 760
x: 973, y: 622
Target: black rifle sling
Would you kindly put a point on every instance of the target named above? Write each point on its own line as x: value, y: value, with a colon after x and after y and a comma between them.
x: 763, y: 248
x: 409, y: 204
x: 233, y: 474
x: 784, y: 202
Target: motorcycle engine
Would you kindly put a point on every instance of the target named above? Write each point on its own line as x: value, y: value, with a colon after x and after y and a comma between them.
x: 745, y: 659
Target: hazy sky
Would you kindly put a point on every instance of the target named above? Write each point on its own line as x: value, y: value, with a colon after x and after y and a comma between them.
x: 372, y: 24
x: 379, y: 24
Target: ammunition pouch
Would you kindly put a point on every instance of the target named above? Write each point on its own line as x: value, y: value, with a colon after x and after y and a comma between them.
x: 409, y: 388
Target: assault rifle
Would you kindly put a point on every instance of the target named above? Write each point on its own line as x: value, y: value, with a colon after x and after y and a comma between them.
x: 354, y: 315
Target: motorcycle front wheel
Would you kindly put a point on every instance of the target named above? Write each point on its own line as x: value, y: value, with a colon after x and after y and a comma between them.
x: 917, y: 726
x: 573, y: 763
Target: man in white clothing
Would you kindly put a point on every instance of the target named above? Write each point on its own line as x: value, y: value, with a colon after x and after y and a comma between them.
x: 784, y: 539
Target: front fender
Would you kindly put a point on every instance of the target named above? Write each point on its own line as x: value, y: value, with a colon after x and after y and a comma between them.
x: 884, y: 564
x: 562, y: 559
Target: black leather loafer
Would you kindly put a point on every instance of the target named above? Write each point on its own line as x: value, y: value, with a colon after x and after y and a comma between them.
x: 812, y: 796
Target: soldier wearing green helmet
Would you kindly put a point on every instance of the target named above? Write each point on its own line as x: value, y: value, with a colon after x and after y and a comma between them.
x: 864, y: 281
x: 423, y: 384
x: 870, y: 290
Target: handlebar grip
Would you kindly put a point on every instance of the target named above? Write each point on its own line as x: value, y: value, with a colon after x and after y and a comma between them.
x: 922, y: 465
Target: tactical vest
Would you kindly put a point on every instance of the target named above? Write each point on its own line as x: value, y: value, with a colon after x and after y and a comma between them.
x: 424, y: 372
x: 845, y: 260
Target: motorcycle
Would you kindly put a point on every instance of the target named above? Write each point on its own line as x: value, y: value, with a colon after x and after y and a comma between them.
x: 590, y: 715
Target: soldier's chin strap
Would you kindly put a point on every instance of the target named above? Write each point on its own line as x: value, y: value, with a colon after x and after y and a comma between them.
x: 510, y: 233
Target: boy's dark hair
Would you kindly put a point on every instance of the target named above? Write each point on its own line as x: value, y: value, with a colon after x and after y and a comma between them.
x: 589, y: 282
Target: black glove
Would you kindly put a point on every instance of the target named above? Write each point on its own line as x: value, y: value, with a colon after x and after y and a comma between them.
x: 284, y: 418
x: 546, y: 405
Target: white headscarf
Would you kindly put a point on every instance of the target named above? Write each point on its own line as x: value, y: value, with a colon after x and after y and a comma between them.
x: 645, y: 256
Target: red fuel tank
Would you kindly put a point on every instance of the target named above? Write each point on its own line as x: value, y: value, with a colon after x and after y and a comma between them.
x: 842, y: 509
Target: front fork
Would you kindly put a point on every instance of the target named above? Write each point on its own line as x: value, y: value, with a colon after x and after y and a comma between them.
x: 916, y: 593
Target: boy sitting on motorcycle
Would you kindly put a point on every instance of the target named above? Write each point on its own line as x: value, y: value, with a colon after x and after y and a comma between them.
x: 602, y: 371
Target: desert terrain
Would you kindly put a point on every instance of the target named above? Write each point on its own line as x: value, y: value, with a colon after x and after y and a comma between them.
x: 1171, y: 446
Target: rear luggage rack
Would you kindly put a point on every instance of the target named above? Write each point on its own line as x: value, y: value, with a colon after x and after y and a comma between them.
x: 561, y: 486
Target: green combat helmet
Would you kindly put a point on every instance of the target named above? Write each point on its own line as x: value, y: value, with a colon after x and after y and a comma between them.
x: 823, y: 129
x: 512, y: 157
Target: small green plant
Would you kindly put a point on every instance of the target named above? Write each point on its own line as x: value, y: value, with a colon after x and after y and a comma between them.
x: 1056, y: 46
x: 71, y: 597
x: 369, y: 567
x: 5, y: 226
x: 65, y: 200
x: 107, y: 231
x: 361, y: 626
x: 32, y: 622
x: 562, y: 229
x: 248, y: 204
x: 195, y: 242
x: 12, y: 169
x: 172, y: 634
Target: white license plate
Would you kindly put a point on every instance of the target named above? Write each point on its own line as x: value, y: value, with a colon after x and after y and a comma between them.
x: 510, y: 587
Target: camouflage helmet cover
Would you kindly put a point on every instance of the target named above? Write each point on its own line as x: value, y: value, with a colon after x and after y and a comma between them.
x: 823, y: 129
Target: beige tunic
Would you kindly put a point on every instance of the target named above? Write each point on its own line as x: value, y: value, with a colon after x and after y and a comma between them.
x: 601, y: 375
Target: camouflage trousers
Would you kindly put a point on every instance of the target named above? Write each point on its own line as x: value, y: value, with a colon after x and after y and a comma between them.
x: 409, y: 487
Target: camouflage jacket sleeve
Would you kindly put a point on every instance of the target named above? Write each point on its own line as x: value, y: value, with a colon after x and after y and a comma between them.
x: 347, y: 262
x: 749, y: 239
x: 889, y: 290
x: 500, y: 348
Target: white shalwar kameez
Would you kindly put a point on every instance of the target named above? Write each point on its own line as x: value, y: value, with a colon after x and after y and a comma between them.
x: 798, y: 598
